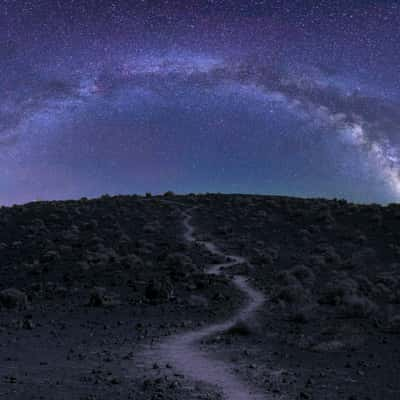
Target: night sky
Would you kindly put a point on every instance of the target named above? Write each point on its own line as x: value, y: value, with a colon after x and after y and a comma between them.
x: 274, y: 97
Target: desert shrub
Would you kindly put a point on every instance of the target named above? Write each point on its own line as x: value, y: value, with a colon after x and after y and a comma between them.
x: 388, y: 279
x: 395, y: 297
x: 395, y: 248
x: 131, y: 261
x: 273, y: 251
x: 334, y: 292
x: 394, y: 324
x: 329, y: 346
x: 301, y: 314
x: 100, y: 298
x: 359, y: 238
x: 360, y: 258
x: 304, y: 232
x: 328, y: 253
x: 240, y: 328
x: 261, y: 257
x: 382, y: 291
x: 303, y: 274
x: 51, y: 256
x: 325, y: 217
x: 198, y: 301
x: 159, y: 291
x: 83, y: 265
x: 178, y: 260
x: 13, y: 298
x: 294, y: 293
x: 152, y: 227
x: 331, y: 256
x: 376, y: 218
x: 364, y: 284
x: 285, y: 278
x: 358, y: 306
x: 317, y: 261
x: 261, y: 213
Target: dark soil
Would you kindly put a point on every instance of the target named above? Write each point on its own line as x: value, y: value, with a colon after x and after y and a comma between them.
x: 86, y: 285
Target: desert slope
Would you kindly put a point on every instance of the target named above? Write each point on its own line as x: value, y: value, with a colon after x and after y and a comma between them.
x: 86, y: 286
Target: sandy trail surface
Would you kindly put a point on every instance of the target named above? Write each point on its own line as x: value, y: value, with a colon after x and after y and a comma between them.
x: 183, y: 350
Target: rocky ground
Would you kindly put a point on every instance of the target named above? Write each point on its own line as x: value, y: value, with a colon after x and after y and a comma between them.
x: 86, y: 286
x: 331, y: 271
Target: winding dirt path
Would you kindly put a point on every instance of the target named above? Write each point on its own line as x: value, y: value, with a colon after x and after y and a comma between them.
x: 182, y: 350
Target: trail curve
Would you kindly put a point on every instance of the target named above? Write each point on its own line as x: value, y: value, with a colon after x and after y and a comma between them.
x: 182, y: 350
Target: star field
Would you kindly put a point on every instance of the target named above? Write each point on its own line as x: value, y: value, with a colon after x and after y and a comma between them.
x: 277, y: 97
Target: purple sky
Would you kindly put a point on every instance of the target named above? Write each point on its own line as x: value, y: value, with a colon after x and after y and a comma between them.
x: 276, y: 97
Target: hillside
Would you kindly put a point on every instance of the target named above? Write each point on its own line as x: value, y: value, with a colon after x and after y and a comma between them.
x: 88, y: 286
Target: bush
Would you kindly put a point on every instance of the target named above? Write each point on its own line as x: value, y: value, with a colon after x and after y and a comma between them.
x: 131, y: 261
x: 329, y: 346
x: 294, y: 293
x: 240, y: 328
x: 394, y: 324
x: 333, y: 293
x: 317, y: 261
x: 301, y: 315
x: 159, y: 291
x: 358, y: 307
x: 13, y: 298
x: 285, y: 278
x: 303, y: 274
x: 97, y: 297
x: 100, y: 298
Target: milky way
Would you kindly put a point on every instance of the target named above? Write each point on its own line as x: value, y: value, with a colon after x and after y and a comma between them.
x: 274, y: 97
